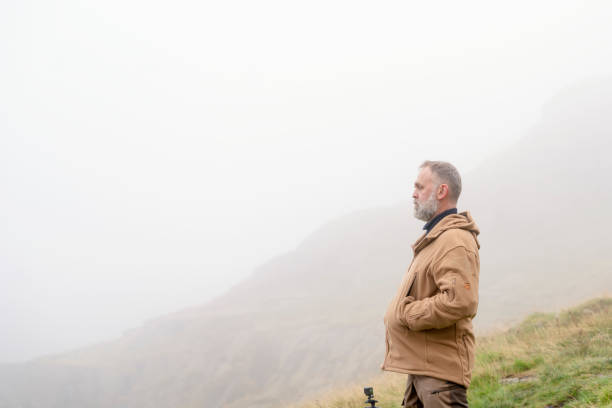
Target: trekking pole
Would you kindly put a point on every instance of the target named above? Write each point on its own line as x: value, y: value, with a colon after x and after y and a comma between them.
x: 369, y: 392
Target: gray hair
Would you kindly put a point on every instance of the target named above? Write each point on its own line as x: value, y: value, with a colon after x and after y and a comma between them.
x: 445, y: 173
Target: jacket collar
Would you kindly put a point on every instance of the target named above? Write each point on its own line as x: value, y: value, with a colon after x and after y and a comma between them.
x: 460, y: 221
x: 432, y: 223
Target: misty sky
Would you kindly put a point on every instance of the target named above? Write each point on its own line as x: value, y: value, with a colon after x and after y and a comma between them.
x: 153, y: 153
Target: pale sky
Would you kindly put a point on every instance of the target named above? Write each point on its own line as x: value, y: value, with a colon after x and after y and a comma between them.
x: 153, y: 153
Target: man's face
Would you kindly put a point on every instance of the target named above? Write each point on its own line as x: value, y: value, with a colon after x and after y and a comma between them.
x: 424, y: 195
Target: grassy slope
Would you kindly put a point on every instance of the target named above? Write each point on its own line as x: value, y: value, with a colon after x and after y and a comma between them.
x: 549, y: 360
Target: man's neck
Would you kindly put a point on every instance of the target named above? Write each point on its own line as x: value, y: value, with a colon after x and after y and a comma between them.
x: 438, y: 217
x: 443, y: 208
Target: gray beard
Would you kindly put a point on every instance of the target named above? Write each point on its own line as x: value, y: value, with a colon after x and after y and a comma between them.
x: 426, y: 211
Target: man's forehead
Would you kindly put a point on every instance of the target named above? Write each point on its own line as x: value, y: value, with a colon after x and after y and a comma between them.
x: 424, y: 175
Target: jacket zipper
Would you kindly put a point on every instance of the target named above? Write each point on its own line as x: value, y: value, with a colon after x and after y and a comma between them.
x: 467, y: 353
x: 388, y: 348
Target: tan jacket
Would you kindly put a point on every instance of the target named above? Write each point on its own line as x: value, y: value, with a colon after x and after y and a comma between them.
x: 429, y: 321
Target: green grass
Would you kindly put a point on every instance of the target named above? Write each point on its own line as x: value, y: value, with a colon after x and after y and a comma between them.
x: 549, y: 360
x: 563, y: 360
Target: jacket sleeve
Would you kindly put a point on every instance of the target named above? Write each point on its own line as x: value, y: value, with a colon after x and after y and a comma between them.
x: 456, y: 276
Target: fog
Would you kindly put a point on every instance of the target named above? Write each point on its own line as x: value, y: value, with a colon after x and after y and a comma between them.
x: 153, y: 153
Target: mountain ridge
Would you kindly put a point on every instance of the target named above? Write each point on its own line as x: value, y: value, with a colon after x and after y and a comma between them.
x: 312, y: 317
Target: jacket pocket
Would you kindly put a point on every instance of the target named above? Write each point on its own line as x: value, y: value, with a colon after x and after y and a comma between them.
x: 411, y: 284
x: 441, y: 350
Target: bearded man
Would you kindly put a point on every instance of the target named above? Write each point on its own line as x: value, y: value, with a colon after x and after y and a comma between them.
x: 429, y: 333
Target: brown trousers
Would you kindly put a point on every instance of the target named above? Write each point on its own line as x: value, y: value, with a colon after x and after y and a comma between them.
x: 429, y: 392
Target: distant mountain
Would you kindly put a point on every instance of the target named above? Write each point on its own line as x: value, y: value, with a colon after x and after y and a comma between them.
x: 544, y: 209
x: 312, y: 318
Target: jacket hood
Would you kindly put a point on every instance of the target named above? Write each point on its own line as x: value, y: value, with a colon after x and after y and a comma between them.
x: 454, y: 221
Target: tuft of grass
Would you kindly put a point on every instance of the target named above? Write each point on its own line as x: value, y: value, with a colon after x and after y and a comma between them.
x: 549, y: 360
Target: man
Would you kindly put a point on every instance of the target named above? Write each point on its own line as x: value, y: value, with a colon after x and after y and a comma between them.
x: 428, y: 324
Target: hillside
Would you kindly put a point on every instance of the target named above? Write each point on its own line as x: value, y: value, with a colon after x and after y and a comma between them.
x: 543, y: 208
x: 549, y: 360
x: 313, y: 317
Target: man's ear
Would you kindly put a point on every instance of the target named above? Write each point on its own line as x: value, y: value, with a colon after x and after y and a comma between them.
x: 442, y: 191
